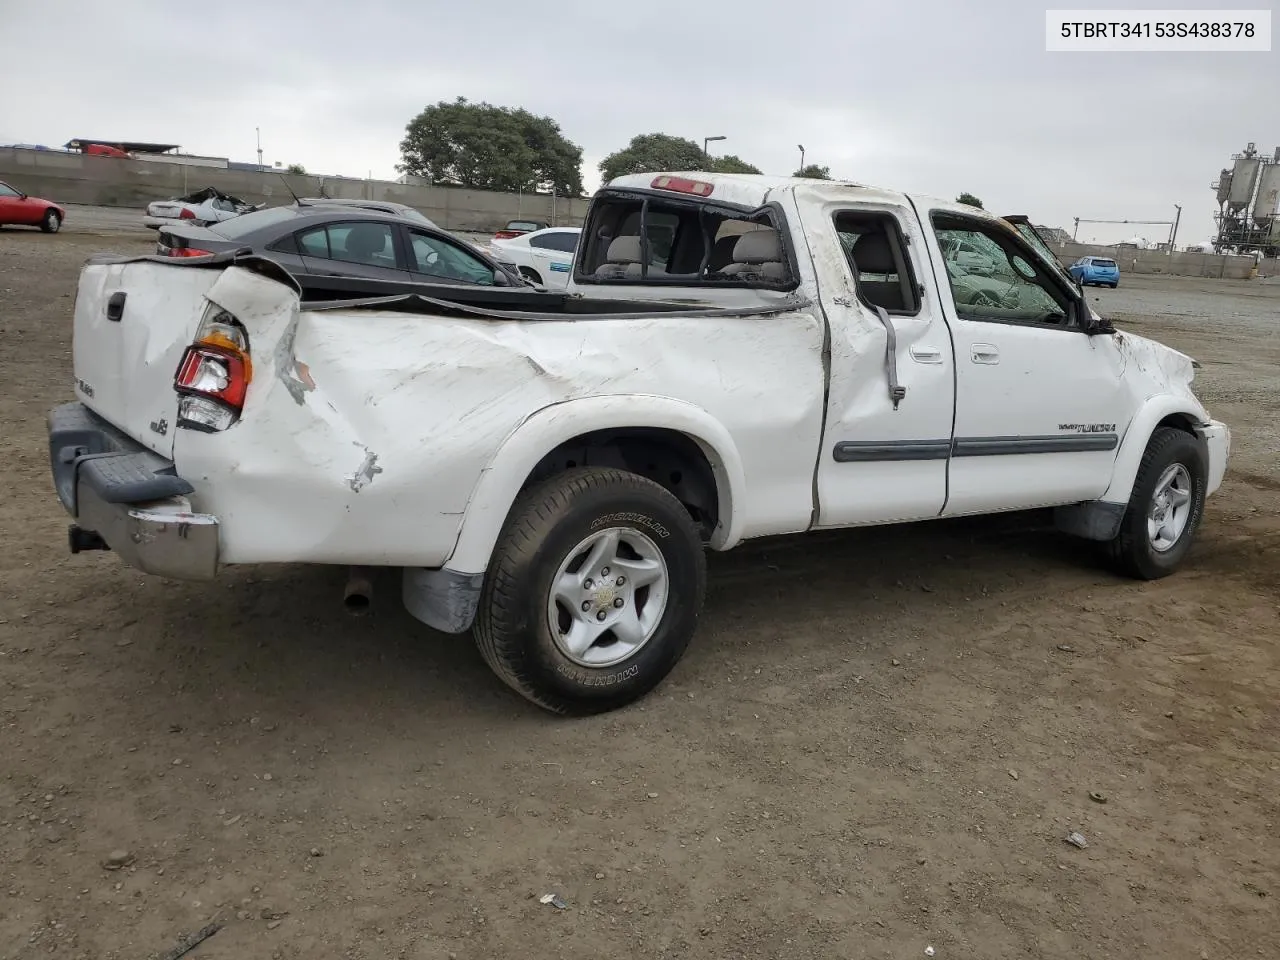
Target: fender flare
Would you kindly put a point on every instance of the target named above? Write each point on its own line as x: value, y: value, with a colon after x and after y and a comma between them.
x: 543, y: 431
x: 1125, y: 471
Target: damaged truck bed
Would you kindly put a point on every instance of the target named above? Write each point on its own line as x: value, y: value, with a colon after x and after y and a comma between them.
x: 734, y: 357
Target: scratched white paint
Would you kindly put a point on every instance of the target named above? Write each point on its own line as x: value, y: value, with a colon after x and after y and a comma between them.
x: 383, y: 437
x: 435, y: 401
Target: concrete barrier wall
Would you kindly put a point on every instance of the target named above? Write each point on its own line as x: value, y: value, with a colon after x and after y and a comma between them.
x: 1156, y: 261
x: 113, y: 182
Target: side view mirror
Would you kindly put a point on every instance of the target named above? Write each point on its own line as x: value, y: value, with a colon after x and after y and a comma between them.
x: 1091, y: 325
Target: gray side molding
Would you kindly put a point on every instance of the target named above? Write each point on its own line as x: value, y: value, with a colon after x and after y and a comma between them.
x: 896, y: 393
x: 442, y: 599
x: 1095, y: 520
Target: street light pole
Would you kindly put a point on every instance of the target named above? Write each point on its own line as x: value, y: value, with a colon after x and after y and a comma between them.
x: 706, y: 140
x: 801, y: 146
x: 258, y: 133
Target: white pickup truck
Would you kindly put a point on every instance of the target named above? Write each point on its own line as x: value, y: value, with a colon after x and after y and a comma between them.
x: 735, y: 357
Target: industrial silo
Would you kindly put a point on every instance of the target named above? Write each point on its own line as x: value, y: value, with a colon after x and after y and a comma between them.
x: 1244, y: 177
x: 1224, y: 186
x: 1264, y: 207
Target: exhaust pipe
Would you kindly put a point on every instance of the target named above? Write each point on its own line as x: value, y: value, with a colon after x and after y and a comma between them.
x: 358, y: 594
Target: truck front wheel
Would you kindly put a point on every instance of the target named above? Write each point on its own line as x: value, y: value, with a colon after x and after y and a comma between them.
x: 1165, y: 507
x: 593, y: 591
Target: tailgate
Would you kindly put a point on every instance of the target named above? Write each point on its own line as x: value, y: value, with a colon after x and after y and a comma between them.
x: 132, y: 323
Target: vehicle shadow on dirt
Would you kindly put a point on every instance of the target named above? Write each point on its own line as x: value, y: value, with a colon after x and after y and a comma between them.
x: 276, y: 639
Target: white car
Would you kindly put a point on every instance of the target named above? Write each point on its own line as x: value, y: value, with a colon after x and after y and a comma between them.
x: 735, y: 356
x: 543, y: 256
x: 198, y: 209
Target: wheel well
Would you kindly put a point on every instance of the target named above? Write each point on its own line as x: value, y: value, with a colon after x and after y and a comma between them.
x: 668, y: 457
x: 1179, y: 421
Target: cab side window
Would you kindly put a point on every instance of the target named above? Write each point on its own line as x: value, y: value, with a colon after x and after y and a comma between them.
x: 993, y: 280
x: 877, y: 257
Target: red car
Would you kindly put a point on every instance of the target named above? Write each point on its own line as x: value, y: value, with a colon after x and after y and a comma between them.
x: 518, y: 228
x: 17, y: 208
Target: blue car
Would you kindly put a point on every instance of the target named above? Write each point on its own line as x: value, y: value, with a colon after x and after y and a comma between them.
x: 1096, y: 270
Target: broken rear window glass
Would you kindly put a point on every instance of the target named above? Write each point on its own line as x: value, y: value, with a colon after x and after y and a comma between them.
x: 681, y: 243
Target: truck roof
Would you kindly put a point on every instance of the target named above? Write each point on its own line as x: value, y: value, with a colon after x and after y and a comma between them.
x: 751, y: 189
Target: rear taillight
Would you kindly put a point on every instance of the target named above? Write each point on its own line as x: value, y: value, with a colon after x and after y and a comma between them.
x: 214, y: 374
x: 186, y: 214
x: 188, y: 252
x: 506, y: 234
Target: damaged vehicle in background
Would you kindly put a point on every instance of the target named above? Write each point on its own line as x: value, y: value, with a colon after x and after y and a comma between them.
x: 734, y: 357
x: 203, y: 207
x: 323, y: 240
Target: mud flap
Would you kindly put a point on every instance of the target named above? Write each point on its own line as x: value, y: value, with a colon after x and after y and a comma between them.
x: 1095, y: 520
x: 442, y: 599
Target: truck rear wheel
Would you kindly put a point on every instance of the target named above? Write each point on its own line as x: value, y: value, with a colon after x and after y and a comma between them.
x: 1165, y: 507
x: 593, y: 592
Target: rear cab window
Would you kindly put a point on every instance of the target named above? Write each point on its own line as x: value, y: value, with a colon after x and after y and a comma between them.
x: 638, y: 237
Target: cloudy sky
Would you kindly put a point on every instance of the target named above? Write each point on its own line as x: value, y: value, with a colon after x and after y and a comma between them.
x: 932, y: 96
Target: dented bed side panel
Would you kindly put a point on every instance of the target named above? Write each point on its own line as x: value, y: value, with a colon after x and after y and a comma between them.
x: 365, y: 433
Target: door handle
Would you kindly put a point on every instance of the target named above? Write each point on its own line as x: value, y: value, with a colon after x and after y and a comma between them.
x: 926, y: 354
x: 115, y: 306
x: 985, y: 353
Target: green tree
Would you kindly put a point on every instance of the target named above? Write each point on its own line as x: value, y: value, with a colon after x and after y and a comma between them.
x: 651, y: 153
x: 296, y: 169
x: 812, y: 171
x: 487, y: 147
x: 731, y: 164
x: 656, y: 152
x: 970, y: 199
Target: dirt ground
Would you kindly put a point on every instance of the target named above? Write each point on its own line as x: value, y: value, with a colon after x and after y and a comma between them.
x: 876, y: 744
